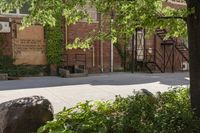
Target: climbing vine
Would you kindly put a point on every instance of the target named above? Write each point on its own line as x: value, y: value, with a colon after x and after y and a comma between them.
x: 54, y: 40
x: 1, y: 43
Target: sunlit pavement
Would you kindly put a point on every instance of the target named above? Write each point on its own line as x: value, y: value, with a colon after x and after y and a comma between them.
x: 66, y: 92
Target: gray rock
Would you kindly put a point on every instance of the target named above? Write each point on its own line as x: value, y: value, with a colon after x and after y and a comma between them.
x: 64, y: 73
x: 145, y: 92
x: 25, y: 115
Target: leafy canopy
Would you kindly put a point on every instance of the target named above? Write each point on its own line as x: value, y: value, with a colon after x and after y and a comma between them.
x: 128, y: 15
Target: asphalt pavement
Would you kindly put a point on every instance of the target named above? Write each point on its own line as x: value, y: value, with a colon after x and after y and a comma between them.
x: 67, y: 92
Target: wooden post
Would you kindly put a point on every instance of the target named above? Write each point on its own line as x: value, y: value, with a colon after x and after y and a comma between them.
x: 136, y: 37
x: 173, y: 56
x: 132, y: 56
x: 164, y: 58
x: 154, y: 48
x: 144, y: 46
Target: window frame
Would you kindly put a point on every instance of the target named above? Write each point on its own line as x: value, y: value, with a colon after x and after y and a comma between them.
x: 179, y: 2
x: 13, y: 14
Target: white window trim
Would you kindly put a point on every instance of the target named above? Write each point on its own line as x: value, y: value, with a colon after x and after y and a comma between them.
x: 178, y: 2
x: 17, y: 14
x: 94, y: 20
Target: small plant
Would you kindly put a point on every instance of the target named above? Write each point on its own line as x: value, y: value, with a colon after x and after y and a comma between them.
x: 54, y: 41
x: 6, y: 61
x: 7, y: 66
x: 140, y: 113
x: 1, y: 44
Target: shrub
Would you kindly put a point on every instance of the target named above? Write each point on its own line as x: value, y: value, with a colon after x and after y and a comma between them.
x: 6, y: 61
x: 7, y: 66
x: 21, y: 70
x: 140, y: 113
x: 18, y: 71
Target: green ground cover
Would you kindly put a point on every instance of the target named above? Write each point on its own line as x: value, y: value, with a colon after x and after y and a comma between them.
x: 139, y: 113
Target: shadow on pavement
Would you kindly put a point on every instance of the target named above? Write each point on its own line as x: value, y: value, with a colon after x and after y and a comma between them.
x: 117, y: 79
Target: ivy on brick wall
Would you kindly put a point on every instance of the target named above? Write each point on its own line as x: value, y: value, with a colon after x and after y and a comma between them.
x: 1, y: 43
x: 54, y: 40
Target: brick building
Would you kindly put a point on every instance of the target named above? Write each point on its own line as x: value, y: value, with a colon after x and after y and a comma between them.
x: 151, y: 54
x: 157, y: 54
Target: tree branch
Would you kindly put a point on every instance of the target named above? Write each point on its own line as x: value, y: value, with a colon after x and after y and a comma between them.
x: 173, y: 17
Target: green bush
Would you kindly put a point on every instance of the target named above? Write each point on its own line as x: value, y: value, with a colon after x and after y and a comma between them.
x: 169, y: 112
x: 7, y: 66
x: 20, y: 71
x: 54, y: 40
x: 6, y: 61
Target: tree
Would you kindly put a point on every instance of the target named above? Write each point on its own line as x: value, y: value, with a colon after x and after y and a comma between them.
x: 193, y: 24
x: 129, y: 15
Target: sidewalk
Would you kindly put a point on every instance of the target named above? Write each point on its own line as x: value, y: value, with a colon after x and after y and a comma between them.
x: 68, y: 92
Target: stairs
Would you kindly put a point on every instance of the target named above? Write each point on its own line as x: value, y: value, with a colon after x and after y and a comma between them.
x: 149, y: 63
x: 183, y: 50
x: 150, y: 66
x: 161, y: 33
x: 157, y: 62
x: 180, y: 47
x: 154, y: 62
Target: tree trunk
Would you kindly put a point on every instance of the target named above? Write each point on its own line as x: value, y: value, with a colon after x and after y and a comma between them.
x: 193, y: 23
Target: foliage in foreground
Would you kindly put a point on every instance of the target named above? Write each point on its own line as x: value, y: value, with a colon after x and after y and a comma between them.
x: 128, y: 15
x: 167, y: 112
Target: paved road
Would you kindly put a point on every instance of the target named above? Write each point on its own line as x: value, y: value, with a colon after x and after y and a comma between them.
x: 67, y: 92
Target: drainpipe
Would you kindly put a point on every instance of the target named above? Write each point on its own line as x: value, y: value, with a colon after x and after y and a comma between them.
x: 13, y: 35
x: 93, y: 56
x: 66, y: 33
x: 65, y: 40
x: 133, y: 56
x: 101, y: 45
x: 111, y: 57
x: 102, y: 61
x: 111, y: 50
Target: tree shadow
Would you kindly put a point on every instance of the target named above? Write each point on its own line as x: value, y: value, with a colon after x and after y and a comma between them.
x: 116, y: 79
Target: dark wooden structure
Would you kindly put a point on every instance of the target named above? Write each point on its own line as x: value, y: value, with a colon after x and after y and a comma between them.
x: 162, y: 56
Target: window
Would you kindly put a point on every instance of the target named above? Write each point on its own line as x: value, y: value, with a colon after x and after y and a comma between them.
x: 140, y: 45
x: 23, y: 11
x: 92, y: 12
x: 177, y: 1
x: 13, y: 12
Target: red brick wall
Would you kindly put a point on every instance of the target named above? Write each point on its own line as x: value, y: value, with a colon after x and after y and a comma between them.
x: 26, y: 46
x: 93, y: 55
x: 117, y: 60
x: 178, y: 59
x: 6, y: 41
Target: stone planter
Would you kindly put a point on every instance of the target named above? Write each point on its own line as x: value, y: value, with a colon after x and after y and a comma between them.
x: 3, y: 76
x: 53, y: 69
x: 66, y: 73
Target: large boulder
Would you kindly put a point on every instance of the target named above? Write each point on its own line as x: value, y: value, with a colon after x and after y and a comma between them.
x: 25, y: 115
x: 145, y: 92
x: 64, y: 73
